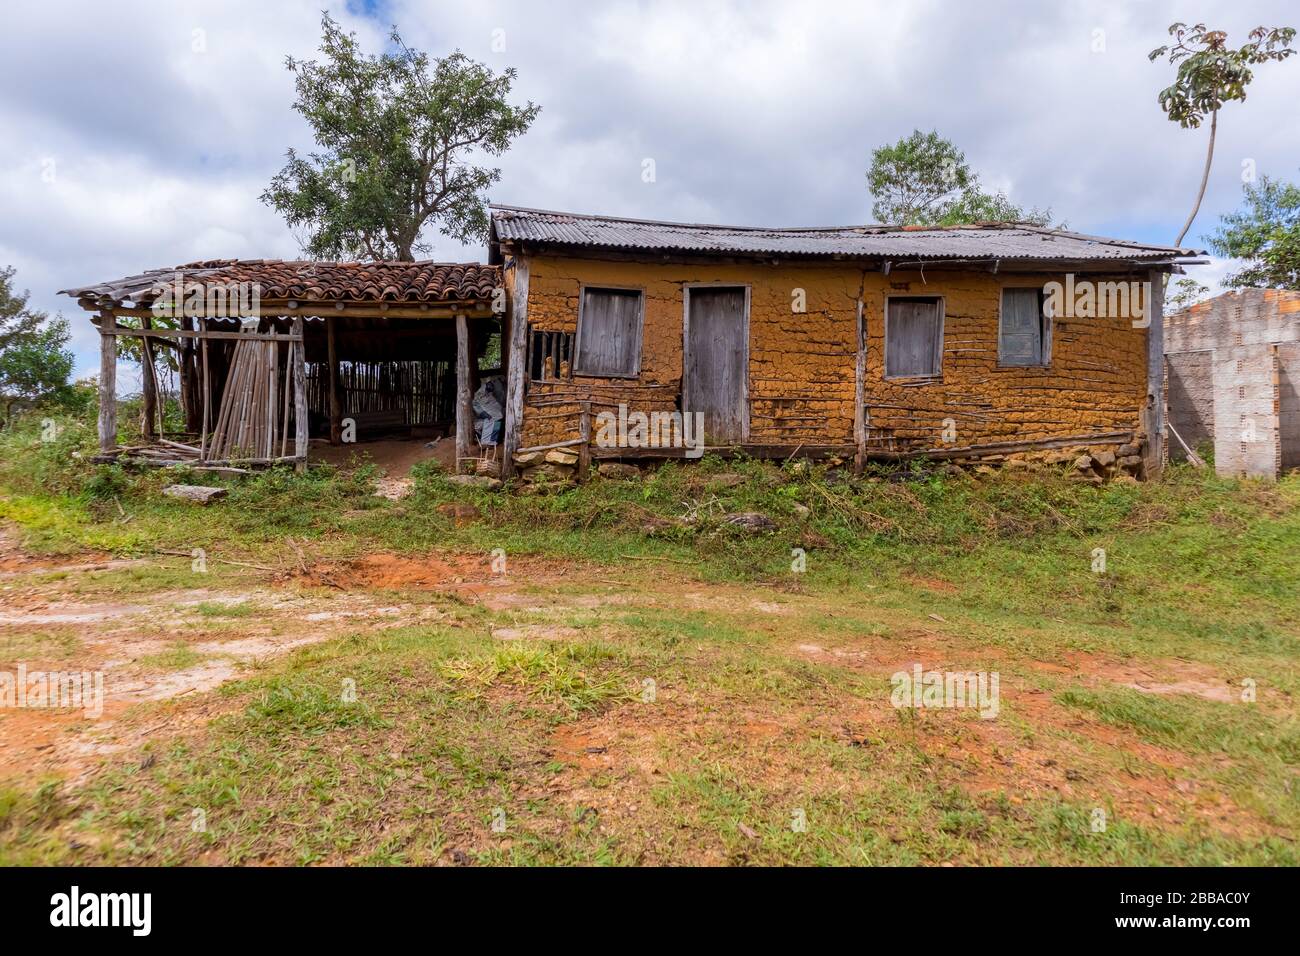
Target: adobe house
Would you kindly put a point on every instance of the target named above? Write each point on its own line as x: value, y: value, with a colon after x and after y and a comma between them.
x: 273, y: 353
x: 968, y: 342
x: 1232, y: 381
x: 984, y: 342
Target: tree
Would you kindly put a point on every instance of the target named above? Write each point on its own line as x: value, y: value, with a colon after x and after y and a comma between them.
x: 1266, y: 232
x: 398, y: 134
x: 35, y: 362
x: 925, y: 180
x: 1187, y: 293
x: 975, y: 205
x: 1210, y: 75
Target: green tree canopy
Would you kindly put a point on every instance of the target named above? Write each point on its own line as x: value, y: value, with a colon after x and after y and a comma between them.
x: 924, y: 180
x: 398, y: 137
x: 35, y: 362
x: 1266, y: 233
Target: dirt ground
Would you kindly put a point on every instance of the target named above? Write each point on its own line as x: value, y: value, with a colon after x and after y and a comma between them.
x: 170, y: 648
x: 396, y: 456
x: 165, y: 652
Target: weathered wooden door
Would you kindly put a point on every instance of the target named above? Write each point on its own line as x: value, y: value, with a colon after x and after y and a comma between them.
x: 715, y: 371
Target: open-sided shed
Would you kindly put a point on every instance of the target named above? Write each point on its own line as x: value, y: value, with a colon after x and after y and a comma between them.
x: 273, y: 352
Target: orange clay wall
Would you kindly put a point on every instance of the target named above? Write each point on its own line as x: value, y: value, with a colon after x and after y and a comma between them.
x: 801, y: 371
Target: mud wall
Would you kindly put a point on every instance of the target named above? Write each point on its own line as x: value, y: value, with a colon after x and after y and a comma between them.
x: 802, y: 364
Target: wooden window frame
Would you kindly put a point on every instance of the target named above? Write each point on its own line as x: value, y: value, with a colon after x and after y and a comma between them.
x: 686, y: 333
x: 583, y: 288
x: 1045, y: 329
x: 943, y: 315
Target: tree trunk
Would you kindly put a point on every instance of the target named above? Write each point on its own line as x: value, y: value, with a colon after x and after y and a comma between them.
x: 1205, y: 178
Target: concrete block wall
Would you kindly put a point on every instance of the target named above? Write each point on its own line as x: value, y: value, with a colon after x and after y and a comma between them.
x: 1247, y: 339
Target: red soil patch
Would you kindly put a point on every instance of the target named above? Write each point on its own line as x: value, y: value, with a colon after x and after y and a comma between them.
x: 431, y: 572
x: 394, y: 573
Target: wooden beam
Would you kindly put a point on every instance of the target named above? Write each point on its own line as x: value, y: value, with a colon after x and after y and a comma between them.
x: 860, y: 394
x: 332, y: 360
x: 806, y: 450
x: 464, y: 397
x: 207, y: 394
x: 440, y: 310
x: 584, y: 450
x: 515, y: 369
x: 107, y: 383
x: 193, y: 334
x: 299, y: 400
x: 148, y: 387
x: 1154, y: 413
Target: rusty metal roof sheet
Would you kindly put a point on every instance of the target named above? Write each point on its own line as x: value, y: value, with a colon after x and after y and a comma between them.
x: 1010, y: 241
x: 313, y: 281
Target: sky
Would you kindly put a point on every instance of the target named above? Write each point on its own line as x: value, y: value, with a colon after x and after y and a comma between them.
x: 140, y: 135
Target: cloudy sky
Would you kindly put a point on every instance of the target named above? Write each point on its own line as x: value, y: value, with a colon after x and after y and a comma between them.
x: 140, y: 134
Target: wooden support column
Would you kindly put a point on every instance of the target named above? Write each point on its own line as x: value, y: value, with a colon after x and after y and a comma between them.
x: 189, y: 377
x: 148, y: 386
x: 860, y: 397
x: 299, y: 396
x: 584, y: 449
x: 336, y: 410
x: 515, y: 369
x: 205, y: 420
x: 107, y: 382
x: 464, y: 395
x: 1154, y: 415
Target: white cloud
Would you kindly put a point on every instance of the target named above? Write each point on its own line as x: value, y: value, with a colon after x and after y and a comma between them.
x: 754, y: 112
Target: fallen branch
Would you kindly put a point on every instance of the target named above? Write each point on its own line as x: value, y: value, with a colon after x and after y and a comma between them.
x: 238, y: 564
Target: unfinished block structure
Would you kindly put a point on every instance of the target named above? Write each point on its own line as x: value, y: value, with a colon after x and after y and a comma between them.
x: 1232, y: 381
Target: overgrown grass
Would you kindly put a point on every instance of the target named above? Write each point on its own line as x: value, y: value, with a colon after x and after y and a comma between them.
x: 400, y: 746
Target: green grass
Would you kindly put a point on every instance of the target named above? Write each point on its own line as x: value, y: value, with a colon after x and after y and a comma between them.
x: 402, y: 746
x: 177, y: 657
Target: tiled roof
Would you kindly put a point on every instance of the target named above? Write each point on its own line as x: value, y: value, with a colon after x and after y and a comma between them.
x: 314, y: 281
x: 1009, y: 241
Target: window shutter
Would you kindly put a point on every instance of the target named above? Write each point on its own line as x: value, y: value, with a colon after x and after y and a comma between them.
x: 1020, y: 331
x: 609, y: 333
x: 914, y: 338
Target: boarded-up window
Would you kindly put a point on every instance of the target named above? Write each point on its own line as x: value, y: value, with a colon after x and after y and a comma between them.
x: 913, y: 337
x: 609, y: 333
x: 1024, y: 332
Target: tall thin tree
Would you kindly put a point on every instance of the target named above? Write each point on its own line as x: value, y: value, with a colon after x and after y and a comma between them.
x: 1210, y: 74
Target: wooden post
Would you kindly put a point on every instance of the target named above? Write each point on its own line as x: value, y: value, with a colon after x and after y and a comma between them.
x: 107, y: 382
x: 148, y: 387
x: 464, y: 397
x: 300, y: 397
x: 860, y: 397
x: 336, y: 411
x: 188, y: 352
x: 584, y: 450
x: 207, y: 391
x: 515, y: 366
x: 1154, y: 417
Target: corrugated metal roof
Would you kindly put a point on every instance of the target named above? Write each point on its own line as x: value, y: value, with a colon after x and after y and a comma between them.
x: 983, y: 241
x: 314, y: 281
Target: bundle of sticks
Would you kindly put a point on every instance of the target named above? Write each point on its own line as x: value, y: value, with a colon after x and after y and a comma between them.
x: 253, y: 421
x: 165, y: 453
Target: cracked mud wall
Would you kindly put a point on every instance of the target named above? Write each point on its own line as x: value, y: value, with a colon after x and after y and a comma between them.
x: 801, y: 364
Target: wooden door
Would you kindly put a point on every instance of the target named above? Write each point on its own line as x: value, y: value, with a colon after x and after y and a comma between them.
x: 715, y: 372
